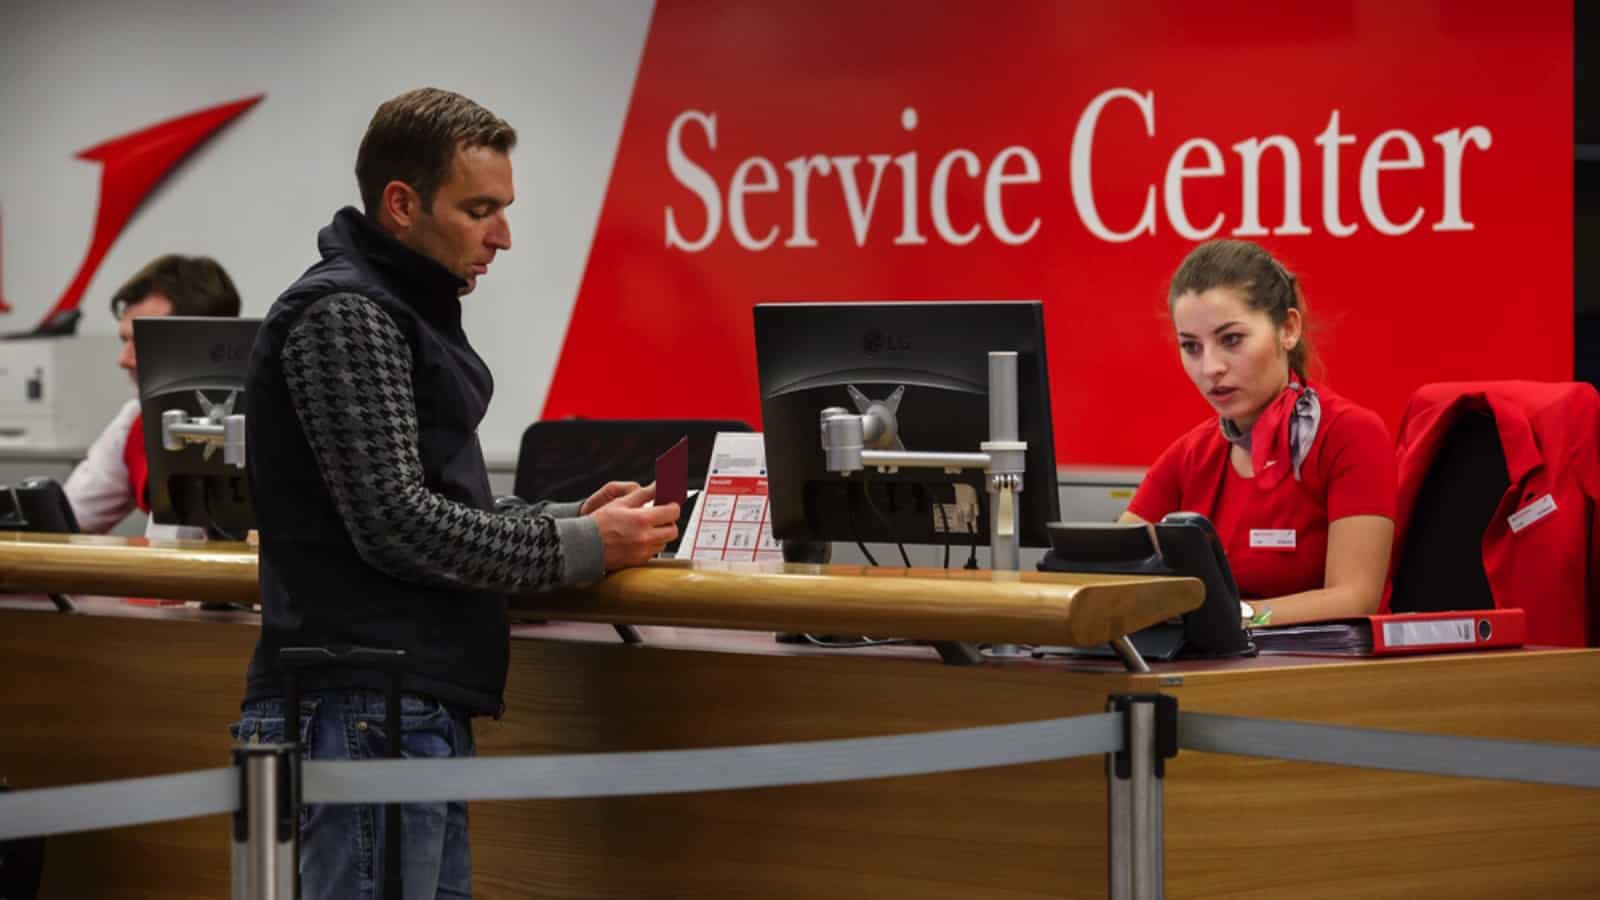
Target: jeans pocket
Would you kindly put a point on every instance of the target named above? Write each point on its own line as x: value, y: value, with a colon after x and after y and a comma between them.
x: 261, y: 722
x: 426, y: 730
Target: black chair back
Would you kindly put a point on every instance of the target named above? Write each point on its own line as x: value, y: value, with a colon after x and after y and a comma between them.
x: 1441, y: 565
x: 569, y: 459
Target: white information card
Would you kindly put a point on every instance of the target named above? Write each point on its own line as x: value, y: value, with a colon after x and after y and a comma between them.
x: 730, y: 520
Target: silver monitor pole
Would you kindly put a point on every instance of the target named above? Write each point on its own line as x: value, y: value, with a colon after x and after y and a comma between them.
x: 1007, y: 462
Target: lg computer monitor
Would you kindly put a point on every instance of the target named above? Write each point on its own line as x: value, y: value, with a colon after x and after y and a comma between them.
x: 809, y: 355
x: 189, y: 363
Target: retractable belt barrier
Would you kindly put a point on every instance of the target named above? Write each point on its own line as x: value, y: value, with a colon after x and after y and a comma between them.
x: 135, y: 801
x: 1570, y: 765
x: 1136, y: 740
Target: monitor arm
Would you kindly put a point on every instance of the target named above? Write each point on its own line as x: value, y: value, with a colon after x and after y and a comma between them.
x: 847, y: 436
x: 218, y: 426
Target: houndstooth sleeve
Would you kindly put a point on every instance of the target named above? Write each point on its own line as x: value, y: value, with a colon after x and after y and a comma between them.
x: 348, y: 368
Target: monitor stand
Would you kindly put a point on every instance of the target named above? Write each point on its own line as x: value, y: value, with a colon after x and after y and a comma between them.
x: 1162, y: 643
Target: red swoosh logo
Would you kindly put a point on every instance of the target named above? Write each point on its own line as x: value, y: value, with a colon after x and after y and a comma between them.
x: 131, y: 167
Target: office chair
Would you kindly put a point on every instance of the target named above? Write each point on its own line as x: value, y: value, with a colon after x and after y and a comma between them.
x: 1503, y: 481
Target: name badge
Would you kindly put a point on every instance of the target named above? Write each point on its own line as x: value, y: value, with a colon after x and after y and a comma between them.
x: 1531, y: 513
x: 1272, y: 538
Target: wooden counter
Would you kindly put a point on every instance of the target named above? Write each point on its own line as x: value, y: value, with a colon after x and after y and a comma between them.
x: 942, y: 604
x: 120, y: 691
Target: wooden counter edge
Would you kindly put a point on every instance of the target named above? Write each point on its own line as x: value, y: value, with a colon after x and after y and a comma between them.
x: 939, y: 604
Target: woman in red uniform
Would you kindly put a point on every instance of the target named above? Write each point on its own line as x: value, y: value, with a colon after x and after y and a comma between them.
x: 1299, y: 482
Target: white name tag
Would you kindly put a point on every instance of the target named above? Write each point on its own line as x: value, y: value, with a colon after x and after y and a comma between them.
x: 1272, y: 538
x: 1532, y: 513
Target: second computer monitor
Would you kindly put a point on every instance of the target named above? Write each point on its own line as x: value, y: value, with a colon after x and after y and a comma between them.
x: 194, y: 364
x: 810, y: 355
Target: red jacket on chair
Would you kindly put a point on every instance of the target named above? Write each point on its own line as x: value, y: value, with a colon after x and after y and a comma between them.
x: 1539, y: 551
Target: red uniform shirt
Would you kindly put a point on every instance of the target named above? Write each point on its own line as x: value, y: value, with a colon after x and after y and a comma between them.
x: 1276, y: 534
x: 1541, y: 551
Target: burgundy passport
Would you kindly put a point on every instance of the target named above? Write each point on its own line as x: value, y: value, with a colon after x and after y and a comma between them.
x: 672, y: 474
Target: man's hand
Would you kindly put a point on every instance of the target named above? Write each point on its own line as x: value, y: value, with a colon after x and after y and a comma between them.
x: 610, y: 492
x: 632, y: 533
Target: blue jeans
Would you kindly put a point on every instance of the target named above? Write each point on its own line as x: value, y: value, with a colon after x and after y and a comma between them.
x: 342, y: 846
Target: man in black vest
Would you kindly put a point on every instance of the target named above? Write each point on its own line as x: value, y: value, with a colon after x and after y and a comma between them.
x: 377, y: 524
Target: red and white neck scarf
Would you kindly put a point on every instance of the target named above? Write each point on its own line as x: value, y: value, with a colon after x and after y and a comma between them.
x: 1281, y: 437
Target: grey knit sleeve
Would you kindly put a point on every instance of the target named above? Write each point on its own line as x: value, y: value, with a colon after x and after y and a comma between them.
x: 348, y: 369
x: 516, y: 506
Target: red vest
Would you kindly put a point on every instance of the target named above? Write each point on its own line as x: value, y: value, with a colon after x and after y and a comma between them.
x: 1541, y: 551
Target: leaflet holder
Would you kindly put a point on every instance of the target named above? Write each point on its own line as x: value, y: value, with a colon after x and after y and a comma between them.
x: 1183, y: 543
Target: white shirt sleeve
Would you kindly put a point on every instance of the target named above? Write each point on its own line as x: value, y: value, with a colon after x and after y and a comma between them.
x: 98, y: 488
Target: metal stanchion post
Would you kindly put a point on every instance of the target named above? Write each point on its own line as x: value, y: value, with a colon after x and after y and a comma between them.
x: 1134, y: 776
x: 265, y: 827
x: 1119, y: 849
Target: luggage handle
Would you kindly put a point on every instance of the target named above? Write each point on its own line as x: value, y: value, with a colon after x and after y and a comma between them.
x: 294, y: 660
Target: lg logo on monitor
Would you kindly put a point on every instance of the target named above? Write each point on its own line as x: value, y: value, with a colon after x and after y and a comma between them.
x: 876, y: 342
x: 229, y: 352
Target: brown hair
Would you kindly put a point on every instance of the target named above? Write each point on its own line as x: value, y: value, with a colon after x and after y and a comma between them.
x: 196, y: 286
x: 413, y: 139
x: 1245, y: 267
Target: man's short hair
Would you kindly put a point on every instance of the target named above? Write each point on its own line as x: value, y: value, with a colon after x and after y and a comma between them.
x: 413, y: 139
x: 196, y: 286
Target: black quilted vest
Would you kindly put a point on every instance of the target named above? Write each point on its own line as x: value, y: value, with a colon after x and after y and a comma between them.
x: 315, y: 589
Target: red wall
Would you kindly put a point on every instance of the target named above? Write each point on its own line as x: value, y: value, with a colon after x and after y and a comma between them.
x: 662, y: 326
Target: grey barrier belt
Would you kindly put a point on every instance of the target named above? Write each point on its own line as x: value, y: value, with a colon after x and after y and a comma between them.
x: 135, y: 801
x: 1573, y: 765
x: 720, y: 769
x: 46, y: 811
x: 110, y: 804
